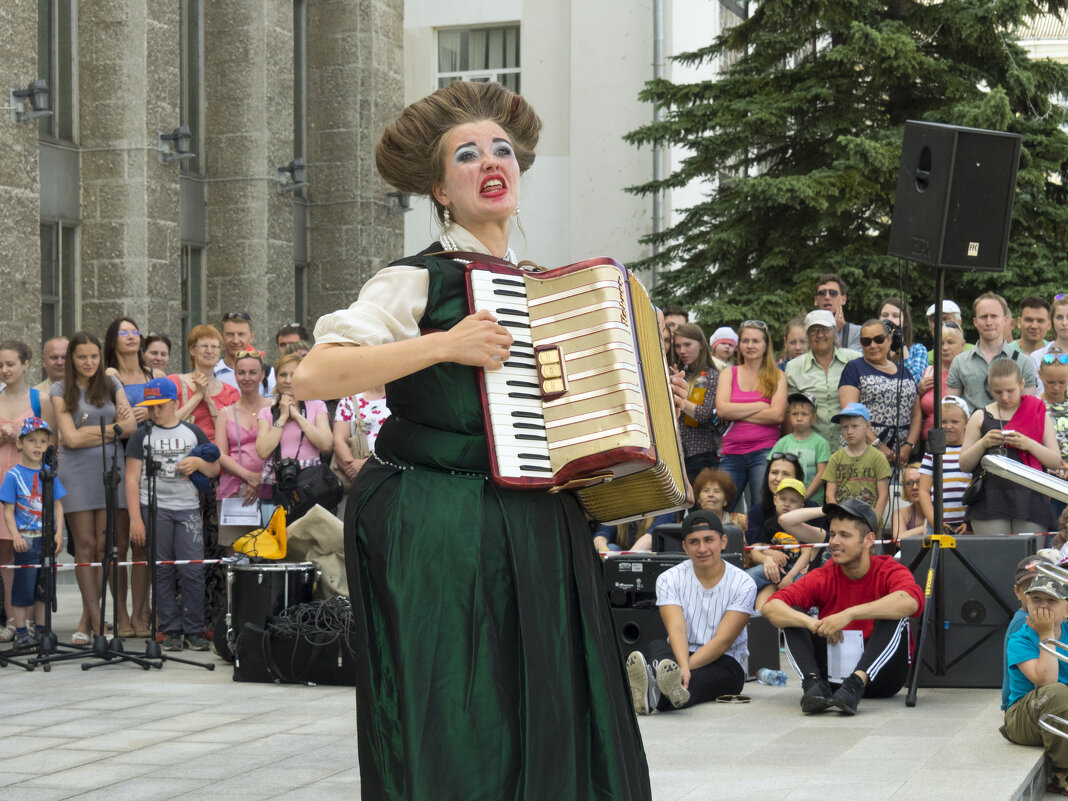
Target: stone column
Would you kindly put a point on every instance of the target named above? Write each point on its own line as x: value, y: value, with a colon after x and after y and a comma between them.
x: 20, y: 244
x: 128, y: 90
x: 248, y: 55
x: 355, y: 89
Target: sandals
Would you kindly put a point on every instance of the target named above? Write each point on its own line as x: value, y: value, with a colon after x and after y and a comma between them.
x: 80, y: 638
x: 8, y: 634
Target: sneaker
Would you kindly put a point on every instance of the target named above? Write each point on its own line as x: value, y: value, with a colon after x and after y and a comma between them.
x: 25, y: 640
x: 816, y: 696
x: 172, y: 642
x: 643, y: 690
x: 846, y: 697
x: 196, y: 642
x: 669, y: 682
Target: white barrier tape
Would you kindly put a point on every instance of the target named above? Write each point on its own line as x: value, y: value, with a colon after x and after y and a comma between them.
x: 71, y: 566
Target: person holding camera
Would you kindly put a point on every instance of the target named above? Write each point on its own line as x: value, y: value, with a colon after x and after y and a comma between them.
x: 292, y: 435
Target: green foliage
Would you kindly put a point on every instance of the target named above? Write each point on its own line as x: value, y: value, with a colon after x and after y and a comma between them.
x: 799, y: 142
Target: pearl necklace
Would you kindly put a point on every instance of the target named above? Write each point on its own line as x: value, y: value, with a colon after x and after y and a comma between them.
x: 448, y: 243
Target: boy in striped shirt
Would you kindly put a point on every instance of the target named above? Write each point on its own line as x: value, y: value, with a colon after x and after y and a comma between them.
x: 705, y: 604
x: 954, y: 480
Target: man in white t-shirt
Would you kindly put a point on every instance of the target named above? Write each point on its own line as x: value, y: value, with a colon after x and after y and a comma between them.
x: 705, y: 604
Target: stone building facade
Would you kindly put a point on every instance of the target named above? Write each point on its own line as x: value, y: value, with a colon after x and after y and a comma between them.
x: 100, y: 223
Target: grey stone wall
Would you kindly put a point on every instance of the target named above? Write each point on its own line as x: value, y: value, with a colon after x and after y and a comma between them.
x: 20, y: 247
x: 355, y: 89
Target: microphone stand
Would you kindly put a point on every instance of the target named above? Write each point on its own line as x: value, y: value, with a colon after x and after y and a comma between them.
x: 152, y: 647
x: 102, y: 649
x: 48, y: 644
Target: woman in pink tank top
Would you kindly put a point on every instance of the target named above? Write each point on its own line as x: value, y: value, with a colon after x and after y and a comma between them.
x: 752, y: 395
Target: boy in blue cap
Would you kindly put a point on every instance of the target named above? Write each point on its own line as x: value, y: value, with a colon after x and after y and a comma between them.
x: 21, y: 494
x: 179, y: 530
x: 857, y: 470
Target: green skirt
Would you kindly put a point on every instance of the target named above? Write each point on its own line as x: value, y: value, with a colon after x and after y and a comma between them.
x: 487, y: 662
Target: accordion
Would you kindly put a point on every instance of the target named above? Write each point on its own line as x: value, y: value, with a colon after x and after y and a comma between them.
x: 583, y: 401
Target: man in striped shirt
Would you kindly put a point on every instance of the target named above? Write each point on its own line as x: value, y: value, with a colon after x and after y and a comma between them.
x: 705, y: 604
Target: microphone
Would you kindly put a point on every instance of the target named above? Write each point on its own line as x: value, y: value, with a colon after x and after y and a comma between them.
x: 117, y: 429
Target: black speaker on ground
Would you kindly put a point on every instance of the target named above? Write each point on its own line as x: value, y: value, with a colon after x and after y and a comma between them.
x: 636, y: 627
x: 970, y: 621
x: 763, y: 646
x: 955, y: 189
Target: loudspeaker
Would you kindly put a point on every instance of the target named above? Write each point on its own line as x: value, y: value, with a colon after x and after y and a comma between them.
x: 636, y: 627
x: 955, y: 189
x: 763, y: 646
x: 971, y: 621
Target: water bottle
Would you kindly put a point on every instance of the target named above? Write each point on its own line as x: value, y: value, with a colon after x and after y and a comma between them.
x: 696, y: 397
x: 776, y: 678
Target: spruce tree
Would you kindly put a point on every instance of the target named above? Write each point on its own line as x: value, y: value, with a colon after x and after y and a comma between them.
x: 798, y: 144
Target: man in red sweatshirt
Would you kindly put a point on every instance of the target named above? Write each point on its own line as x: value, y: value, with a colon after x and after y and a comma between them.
x: 855, y: 591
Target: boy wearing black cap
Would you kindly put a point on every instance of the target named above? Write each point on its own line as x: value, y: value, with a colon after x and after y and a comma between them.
x: 705, y: 604
x: 854, y: 591
x: 1037, y: 678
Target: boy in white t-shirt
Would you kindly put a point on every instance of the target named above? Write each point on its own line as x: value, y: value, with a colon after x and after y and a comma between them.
x: 705, y: 604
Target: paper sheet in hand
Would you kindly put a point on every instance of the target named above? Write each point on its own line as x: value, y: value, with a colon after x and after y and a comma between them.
x: 233, y: 512
x: 842, y: 657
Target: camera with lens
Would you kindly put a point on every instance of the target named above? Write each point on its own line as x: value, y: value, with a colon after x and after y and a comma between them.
x: 285, y: 474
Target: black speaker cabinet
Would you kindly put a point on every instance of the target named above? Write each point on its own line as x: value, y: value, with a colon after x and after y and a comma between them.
x: 763, y: 646
x: 968, y: 620
x: 636, y: 627
x: 955, y: 189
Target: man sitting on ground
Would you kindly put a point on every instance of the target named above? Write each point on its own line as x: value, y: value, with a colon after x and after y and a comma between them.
x: 854, y: 592
x: 705, y: 604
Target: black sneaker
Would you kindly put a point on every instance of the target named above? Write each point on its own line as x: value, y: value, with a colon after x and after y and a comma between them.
x: 846, y: 697
x: 196, y: 642
x: 817, y: 695
x: 25, y: 640
x: 172, y: 642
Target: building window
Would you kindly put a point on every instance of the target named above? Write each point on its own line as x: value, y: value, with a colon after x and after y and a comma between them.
x: 192, y: 293
x: 192, y: 80
x: 56, y: 57
x: 59, y: 280
x: 479, y: 54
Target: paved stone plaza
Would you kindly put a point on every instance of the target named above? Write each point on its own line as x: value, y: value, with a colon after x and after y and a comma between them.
x: 118, y: 733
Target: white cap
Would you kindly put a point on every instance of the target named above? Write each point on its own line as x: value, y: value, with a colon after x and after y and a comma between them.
x: 948, y: 307
x: 723, y: 334
x: 819, y: 317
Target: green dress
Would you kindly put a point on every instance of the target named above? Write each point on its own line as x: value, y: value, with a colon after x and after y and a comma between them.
x: 488, y: 667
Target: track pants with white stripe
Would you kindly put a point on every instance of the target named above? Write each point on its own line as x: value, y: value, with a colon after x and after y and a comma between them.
x: 885, y: 659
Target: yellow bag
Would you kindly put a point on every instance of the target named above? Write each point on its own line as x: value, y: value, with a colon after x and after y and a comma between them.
x: 266, y: 543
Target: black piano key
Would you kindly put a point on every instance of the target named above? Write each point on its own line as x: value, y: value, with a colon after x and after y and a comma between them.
x: 516, y: 312
x: 535, y: 468
x: 508, y: 293
x: 530, y: 415
x: 527, y: 384
x: 534, y: 437
x: 517, y: 344
x: 513, y: 324
x: 507, y: 282
x: 537, y: 456
x: 522, y: 365
x: 533, y: 426
x: 524, y: 395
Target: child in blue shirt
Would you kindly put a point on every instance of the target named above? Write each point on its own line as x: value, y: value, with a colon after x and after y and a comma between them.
x: 21, y: 495
x: 1038, y: 680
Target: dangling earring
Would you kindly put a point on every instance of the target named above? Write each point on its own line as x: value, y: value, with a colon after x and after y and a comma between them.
x: 516, y: 212
x: 443, y: 237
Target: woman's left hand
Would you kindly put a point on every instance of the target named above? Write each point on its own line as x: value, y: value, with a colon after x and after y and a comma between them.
x: 680, y: 390
x: 904, y: 455
x: 1014, y: 439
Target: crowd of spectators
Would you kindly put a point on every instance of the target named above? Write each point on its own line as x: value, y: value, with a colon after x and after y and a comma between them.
x: 92, y: 401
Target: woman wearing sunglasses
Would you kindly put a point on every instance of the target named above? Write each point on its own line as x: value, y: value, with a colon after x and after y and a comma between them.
x: 752, y: 395
x: 889, y: 392
x: 1059, y: 343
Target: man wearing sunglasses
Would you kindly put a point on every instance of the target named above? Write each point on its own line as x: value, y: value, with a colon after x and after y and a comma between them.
x: 967, y: 374
x: 831, y: 296
x: 238, y: 335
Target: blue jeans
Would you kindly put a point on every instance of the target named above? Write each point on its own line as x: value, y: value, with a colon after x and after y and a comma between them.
x: 24, y: 584
x: 756, y: 572
x: 179, y: 536
x: 748, y: 471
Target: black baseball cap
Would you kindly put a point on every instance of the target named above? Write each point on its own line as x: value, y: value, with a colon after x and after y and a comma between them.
x: 699, y: 521
x: 855, y: 508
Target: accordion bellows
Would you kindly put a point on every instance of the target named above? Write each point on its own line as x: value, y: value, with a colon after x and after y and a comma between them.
x: 583, y: 401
